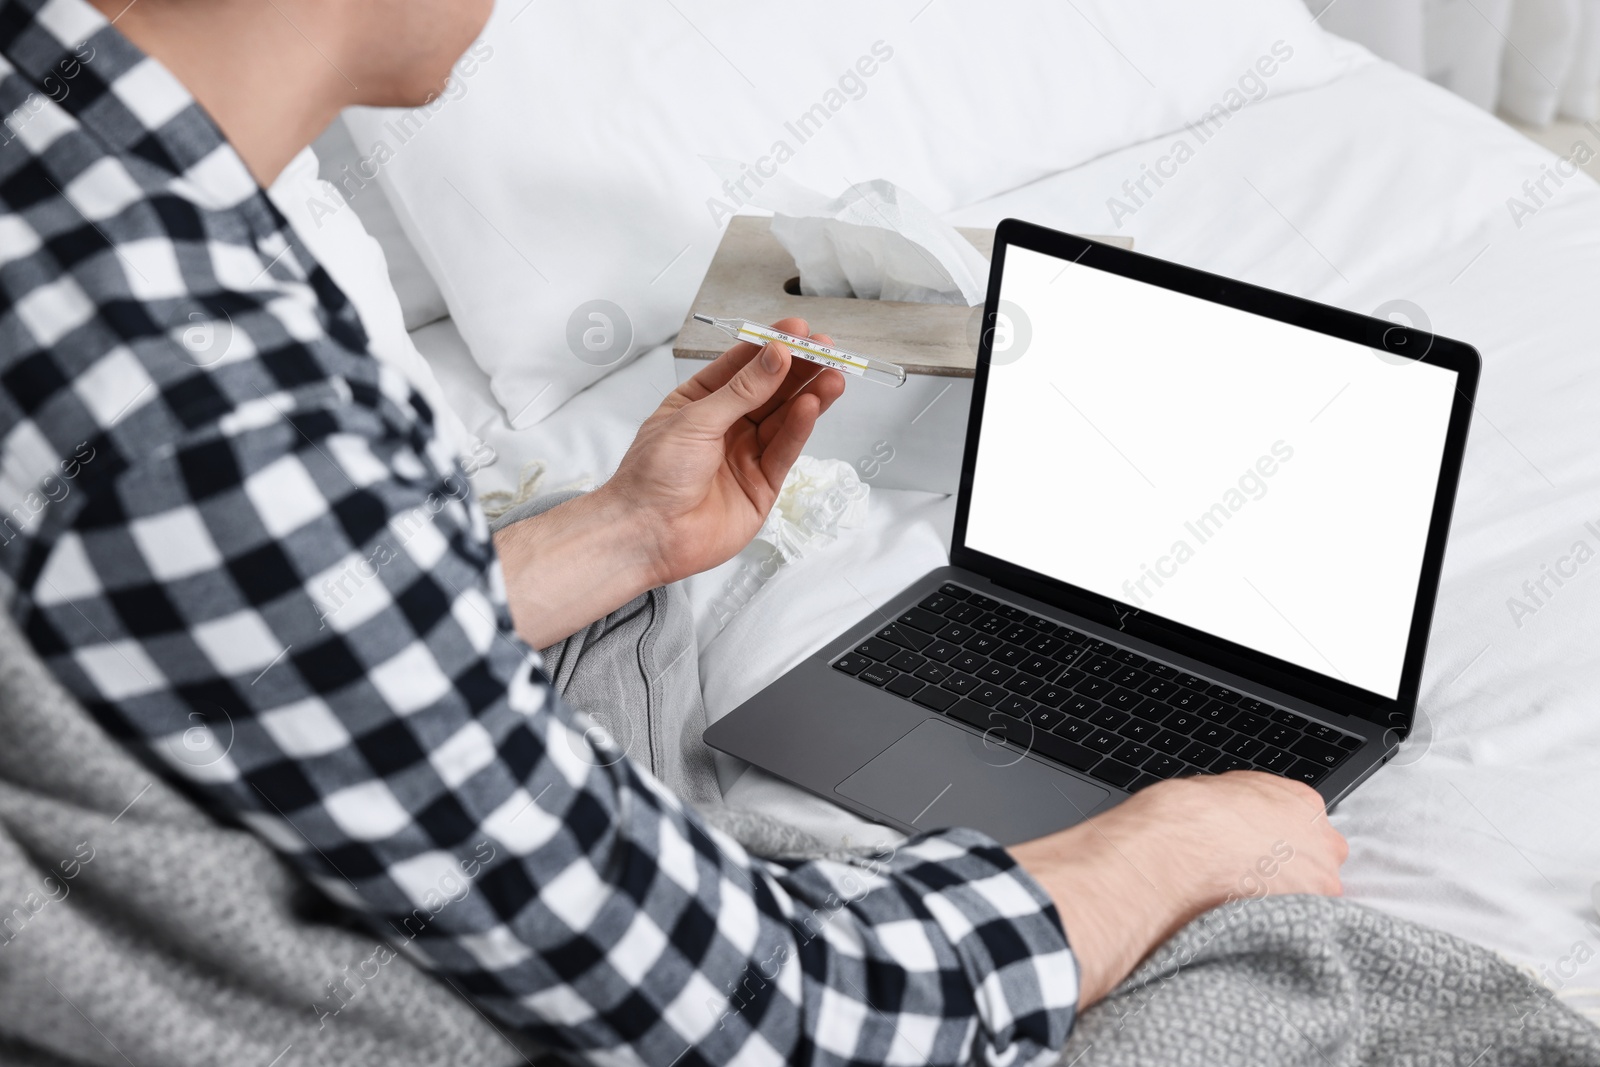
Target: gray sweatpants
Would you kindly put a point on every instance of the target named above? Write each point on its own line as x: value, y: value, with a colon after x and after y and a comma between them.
x: 636, y: 673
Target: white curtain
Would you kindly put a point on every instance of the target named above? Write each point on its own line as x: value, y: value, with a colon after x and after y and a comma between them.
x: 1531, y: 59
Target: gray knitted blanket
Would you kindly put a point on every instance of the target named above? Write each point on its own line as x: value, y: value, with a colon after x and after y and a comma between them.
x: 1314, y: 982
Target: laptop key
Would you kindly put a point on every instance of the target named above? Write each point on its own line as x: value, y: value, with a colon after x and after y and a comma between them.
x: 1131, y: 677
x: 1168, y: 742
x: 1076, y: 729
x: 996, y: 673
x: 1182, y: 722
x: 1161, y: 670
x: 1123, y: 699
x: 1006, y: 611
x: 880, y: 650
x: 1081, y: 706
x: 1279, y: 736
x: 1110, y: 718
x: 956, y: 633
x: 1071, y: 636
x: 1199, y: 754
x: 1099, y: 666
x: 1024, y: 684
x: 1218, y: 712
x: 1319, y: 752
x: 1278, y: 715
x: 1273, y: 759
x: 1139, y: 730
x: 970, y: 662
x: 938, y: 603
x: 1309, y: 773
x: 986, y: 603
x: 991, y: 624
x: 1113, y: 773
x: 1037, y: 665
x: 905, y: 685
x: 1052, y: 695
x: 1158, y: 688
x: 906, y: 637
x: 1223, y: 693
x: 960, y: 683
x: 1097, y: 688
x: 1152, y: 710
x: 1010, y: 655
x: 1242, y: 746
x: 987, y: 694
x: 1348, y: 743
x: 1103, y: 741
x: 1322, y: 733
x: 878, y: 674
x: 982, y: 644
x: 1044, y: 718
x: 1162, y: 766
x: 1231, y: 763
x: 851, y: 663
x: 906, y: 661
x: 1192, y: 681
x: 1212, y: 734
x: 1187, y: 700
x: 934, y: 672
x: 1133, y: 752
x: 1018, y: 634
x: 954, y: 591
x: 933, y: 697
x: 965, y: 614
x: 1018, y: 706
x: 943, y: 651
x: 1248, y: 723
x: 924, y: 620
x: 1046, y: 646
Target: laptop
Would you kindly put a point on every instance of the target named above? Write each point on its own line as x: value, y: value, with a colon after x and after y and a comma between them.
x: 1199, y: 528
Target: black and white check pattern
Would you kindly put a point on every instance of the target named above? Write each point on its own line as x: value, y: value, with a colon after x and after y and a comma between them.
x: 235, y: 536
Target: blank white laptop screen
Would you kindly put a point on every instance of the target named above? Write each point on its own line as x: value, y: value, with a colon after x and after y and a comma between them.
x: 1257, y: 481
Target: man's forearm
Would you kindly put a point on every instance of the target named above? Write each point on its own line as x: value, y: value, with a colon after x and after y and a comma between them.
x: 573, y: 564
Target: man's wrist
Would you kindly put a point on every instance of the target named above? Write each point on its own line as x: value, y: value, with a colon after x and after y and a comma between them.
x: 574, y: 564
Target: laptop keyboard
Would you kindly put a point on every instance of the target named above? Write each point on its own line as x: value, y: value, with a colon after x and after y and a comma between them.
x: 1119, y: 717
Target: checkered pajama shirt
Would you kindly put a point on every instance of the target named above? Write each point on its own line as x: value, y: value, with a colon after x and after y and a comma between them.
x: 237, y: 539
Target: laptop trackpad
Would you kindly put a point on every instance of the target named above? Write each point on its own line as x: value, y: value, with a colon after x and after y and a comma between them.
x: 940, y: 775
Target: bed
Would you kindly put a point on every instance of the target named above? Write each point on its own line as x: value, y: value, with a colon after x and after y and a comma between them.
x: 1380, y: 193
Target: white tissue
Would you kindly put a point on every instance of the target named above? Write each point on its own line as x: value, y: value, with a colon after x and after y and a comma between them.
x: 874, y: 241
x: 819, y: 498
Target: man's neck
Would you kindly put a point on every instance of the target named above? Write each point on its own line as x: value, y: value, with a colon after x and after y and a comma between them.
x: 238, y: 59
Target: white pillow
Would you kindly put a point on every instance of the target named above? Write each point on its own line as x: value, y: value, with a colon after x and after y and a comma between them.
x: 421, y: 302
x: 558, y: 190
x: 331, y: 231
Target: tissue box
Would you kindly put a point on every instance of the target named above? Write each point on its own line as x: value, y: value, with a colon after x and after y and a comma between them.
x: 906, y: 438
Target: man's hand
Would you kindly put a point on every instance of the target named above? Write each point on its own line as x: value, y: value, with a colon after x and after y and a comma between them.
x: 695, y: 486
x: 706, y: 468
x: 1127, y: 880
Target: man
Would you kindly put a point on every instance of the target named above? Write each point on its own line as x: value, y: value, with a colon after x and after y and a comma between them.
x: 378, y: 745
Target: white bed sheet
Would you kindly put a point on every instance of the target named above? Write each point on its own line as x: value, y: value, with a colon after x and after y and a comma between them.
x: 1375, y: 188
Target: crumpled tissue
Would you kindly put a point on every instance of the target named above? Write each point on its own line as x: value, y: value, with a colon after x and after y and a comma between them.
x: 819, y: 498
x: 874, y: 241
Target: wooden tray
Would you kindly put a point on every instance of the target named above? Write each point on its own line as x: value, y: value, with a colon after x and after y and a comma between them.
x: 748, y: 278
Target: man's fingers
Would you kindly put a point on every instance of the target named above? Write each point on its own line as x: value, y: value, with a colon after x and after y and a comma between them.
x: 748, y: 389
x: 720, y: 371
x: 795, y: 425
